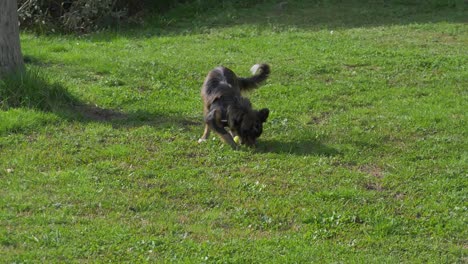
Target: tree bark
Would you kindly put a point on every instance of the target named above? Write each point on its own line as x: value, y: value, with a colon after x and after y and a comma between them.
x: 11, y: 59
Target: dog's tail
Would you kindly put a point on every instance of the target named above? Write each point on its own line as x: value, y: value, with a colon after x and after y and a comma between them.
x: 260, y: 73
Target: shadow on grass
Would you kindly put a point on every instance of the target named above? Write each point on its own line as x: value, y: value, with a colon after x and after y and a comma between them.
x: 32, y: 90
x: 302, y: 147
x: 91, y: 113
x: 203, y: 16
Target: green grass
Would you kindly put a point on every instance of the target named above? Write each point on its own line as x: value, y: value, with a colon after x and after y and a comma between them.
x: 363, y: 158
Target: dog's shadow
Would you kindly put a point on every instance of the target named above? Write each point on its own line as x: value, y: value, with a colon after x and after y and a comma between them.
x: 302, y: 147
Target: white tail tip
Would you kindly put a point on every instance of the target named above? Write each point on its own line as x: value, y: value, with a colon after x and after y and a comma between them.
x: 255, y: 68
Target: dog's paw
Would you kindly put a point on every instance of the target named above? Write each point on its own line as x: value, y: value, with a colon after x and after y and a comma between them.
x: 201, y: 140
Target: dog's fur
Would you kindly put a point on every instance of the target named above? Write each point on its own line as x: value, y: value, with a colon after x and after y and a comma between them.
x: 223, y: 105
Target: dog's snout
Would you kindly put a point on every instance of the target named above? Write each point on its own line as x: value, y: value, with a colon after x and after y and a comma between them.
x: 249, y: 142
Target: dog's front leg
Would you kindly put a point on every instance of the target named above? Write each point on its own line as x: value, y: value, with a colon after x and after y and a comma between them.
x: 213, y: 122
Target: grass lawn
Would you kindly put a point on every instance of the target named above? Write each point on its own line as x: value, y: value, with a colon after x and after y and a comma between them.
x: 364, y: 157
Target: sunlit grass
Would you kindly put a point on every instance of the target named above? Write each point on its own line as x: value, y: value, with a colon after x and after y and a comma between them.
x: 363, y: 158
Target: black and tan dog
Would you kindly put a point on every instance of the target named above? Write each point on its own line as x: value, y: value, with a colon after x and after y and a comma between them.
x: 225, y: 107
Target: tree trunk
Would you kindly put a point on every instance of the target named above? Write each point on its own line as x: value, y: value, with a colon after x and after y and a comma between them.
x: 11, y: 59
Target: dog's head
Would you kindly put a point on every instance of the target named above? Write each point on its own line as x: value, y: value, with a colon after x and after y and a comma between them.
x: 252, y: 126
x: 247, y: 123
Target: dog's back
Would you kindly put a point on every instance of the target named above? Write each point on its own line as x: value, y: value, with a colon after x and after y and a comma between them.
x: 222, y: 81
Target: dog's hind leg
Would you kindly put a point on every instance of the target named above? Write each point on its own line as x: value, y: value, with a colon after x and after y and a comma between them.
x: 205, y: 135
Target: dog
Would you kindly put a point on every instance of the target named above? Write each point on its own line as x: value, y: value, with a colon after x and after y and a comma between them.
x: 224, y: 106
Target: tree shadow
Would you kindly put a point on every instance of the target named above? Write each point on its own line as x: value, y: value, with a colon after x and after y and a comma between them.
x: 198, y: 17
x: 32, y: 90
x: 301, y: 147
x: 117, y: 118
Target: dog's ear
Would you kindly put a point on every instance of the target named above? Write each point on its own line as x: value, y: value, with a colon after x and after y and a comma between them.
x: 263, y: 114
